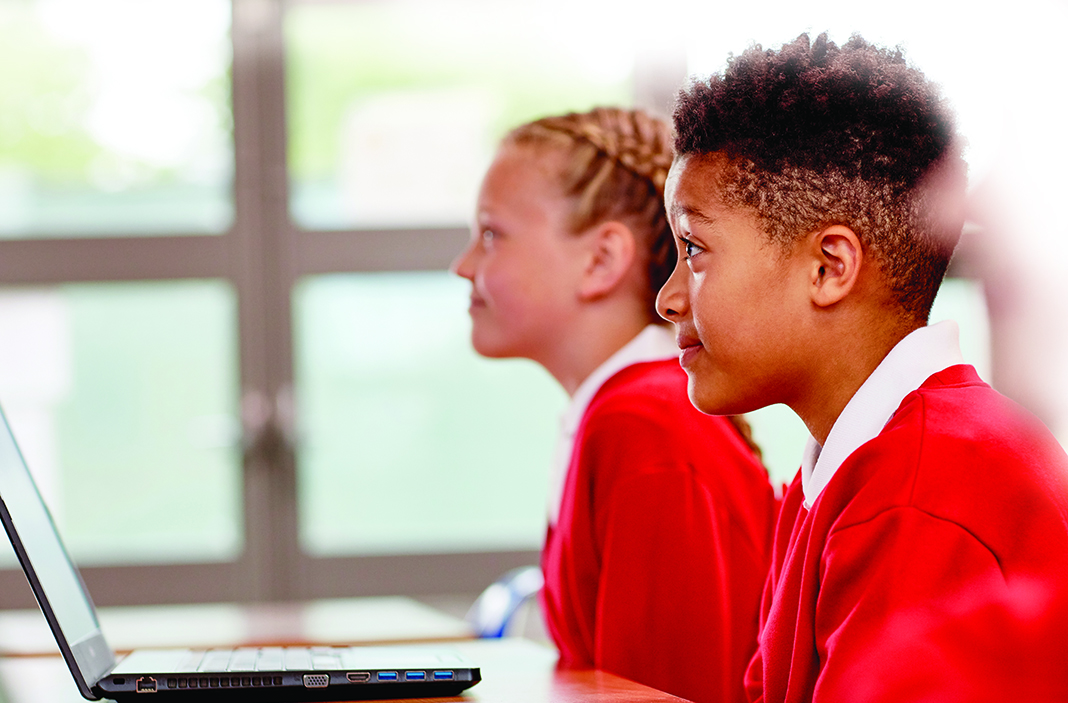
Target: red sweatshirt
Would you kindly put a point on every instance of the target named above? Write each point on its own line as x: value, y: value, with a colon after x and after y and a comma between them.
x: 655, y: 566
x: 929, y: 535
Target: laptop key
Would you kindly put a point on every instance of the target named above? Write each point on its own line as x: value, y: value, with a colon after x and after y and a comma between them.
x: 244, y: 659
x: 297, y: 659
x: 326, y: 661
x: 269, y: 659
x: 215, y: 660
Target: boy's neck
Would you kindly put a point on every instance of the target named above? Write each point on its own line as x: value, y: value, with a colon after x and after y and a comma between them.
x: 847, y: 365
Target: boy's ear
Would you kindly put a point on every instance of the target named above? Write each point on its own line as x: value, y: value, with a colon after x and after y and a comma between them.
x: 609, y: 257
x: 835, y: 266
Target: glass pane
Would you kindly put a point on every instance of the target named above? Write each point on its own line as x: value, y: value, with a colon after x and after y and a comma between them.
x: 781, y: 434
x: 114, y: 117
x: 410, y: 442
x: 395, y: 108
x: 123, y: 398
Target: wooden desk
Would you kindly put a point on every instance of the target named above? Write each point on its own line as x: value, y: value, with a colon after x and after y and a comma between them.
x: 340, y: 621
x: 513, y: 671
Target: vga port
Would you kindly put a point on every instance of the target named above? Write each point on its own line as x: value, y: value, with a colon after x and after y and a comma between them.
x: 316, y: 680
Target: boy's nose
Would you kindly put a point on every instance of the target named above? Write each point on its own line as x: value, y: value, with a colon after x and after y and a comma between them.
x: 671, y: 302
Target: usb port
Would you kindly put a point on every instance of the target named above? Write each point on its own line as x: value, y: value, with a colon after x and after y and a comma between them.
x: 415, y: 675
x: 358, y: 676
x: 387, y: 676
x: 443, y: 676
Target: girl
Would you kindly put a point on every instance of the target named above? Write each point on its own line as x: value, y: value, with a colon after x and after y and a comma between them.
x: 660, y: 516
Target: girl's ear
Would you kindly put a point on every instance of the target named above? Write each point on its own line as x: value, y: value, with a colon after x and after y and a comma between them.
x: 835, y: 265
x: 610, y: 254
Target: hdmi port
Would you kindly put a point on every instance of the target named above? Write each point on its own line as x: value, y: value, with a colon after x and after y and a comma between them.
x: 358, y: 676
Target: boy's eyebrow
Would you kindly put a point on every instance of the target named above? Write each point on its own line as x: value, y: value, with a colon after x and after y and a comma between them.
x: 692, y: 213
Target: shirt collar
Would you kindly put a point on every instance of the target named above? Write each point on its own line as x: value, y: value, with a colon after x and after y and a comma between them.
x: 654, y: 343
x: 913, y: 360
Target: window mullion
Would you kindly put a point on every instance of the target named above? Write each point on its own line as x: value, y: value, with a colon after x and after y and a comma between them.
x: 261, y: 271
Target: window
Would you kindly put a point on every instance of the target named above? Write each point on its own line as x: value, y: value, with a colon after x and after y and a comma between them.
x: 214, y: 259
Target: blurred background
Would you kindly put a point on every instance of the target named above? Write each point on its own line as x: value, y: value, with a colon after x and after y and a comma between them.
x: 229, y: 344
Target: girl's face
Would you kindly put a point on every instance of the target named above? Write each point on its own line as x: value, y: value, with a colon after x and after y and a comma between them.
x: 522, y: 260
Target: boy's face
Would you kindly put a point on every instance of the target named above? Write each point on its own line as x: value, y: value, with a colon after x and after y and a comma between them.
x: 737, y: 300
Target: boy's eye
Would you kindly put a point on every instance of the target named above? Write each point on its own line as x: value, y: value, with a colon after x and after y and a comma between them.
x: 691, y: 249
x: 488, y: 236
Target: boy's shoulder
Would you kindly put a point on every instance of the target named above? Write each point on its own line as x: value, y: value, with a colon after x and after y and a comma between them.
x: 959, y: 451
x: 956, y: 421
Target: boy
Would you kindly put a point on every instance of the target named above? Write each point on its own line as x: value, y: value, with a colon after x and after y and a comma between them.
x: 816, y: 198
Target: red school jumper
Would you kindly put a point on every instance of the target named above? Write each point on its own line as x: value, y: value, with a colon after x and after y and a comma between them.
x: 930, y: 535
x: 655, y: 566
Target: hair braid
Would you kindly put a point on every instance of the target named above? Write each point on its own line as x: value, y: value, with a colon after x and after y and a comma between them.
x: 746, y: 431
x: 617, y: 164
x: 639, y: 142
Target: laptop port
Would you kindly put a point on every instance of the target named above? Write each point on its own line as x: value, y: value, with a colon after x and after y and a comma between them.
x: 358, y: 676
x: 387, y: 676
x: 415, y: 675
x: 146, y: 684
x: 443, y: 676
x: 316, y: 680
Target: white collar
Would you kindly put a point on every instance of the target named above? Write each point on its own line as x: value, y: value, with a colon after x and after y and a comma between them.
x: 913, y: 360
x: 654, y: 343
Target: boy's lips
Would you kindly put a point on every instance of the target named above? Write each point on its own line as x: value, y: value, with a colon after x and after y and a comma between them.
x: 689, y: 346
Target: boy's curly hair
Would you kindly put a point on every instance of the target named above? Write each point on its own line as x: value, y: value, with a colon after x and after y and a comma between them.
x: 819, y: 135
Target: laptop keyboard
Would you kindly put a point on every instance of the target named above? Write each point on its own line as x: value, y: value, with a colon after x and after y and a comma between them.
x: 263, y: 659
x: 309, y: 667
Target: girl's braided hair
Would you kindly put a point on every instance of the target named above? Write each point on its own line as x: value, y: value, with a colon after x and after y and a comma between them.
x: 616, y: 164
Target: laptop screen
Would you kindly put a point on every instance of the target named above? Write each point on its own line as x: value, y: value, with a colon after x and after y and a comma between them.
x: 30, y: 527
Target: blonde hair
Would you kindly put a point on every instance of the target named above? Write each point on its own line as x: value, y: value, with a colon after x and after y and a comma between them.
x: 616, y: 165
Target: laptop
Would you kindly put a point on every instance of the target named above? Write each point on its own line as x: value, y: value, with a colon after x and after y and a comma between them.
x: 243, y: 674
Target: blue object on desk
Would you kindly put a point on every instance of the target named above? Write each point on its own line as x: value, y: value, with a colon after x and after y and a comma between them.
x: 494, y: 609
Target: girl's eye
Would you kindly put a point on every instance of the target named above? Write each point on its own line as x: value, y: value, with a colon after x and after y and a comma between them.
x: 488, y: 236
